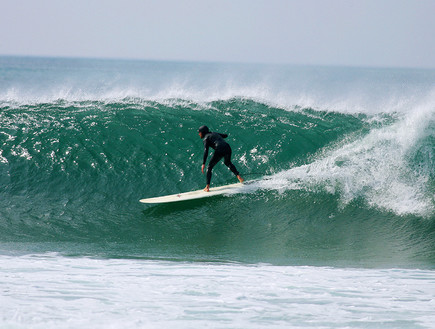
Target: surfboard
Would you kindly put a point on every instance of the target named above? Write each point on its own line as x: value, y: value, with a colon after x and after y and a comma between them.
x: 199, y: 194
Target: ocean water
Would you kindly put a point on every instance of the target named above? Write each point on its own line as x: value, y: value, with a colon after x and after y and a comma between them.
x: 336, y: 231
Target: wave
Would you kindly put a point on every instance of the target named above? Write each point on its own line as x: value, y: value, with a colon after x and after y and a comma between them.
x: 75, y: 170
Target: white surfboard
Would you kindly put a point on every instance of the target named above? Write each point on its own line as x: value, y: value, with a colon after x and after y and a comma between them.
x: 199, y: 194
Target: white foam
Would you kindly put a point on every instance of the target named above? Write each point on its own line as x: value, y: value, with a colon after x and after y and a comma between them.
x: 51, y: 291
x: 375, y: 167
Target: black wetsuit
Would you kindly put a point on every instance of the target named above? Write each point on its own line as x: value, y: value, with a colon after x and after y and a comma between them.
x: 222, y: 150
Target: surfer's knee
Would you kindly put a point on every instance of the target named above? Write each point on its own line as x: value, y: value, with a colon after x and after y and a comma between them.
x: 228, y: 163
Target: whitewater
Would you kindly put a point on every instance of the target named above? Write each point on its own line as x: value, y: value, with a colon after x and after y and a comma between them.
x: 337, y: 229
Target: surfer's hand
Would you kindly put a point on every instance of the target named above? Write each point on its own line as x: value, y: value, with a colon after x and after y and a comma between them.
x: 202, y: 168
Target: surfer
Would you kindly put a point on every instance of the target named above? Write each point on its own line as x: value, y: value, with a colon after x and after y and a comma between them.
x: 222, y: 150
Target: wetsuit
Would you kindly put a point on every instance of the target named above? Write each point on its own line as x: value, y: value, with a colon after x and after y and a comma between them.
x: 222, y: 150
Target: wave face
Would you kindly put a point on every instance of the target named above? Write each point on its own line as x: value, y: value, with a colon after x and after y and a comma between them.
x: 337, y: 186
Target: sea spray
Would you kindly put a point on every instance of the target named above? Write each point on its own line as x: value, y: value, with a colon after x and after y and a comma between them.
x: 379, y: 167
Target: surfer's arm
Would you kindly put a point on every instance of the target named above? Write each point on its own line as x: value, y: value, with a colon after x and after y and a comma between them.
x: 224, y: 135
x: 204, y: 159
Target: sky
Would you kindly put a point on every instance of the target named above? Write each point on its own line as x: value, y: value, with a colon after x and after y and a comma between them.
x: 378, y: 33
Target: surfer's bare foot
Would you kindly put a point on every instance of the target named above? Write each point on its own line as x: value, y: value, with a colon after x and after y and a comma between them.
x: 207, y: 188
x: 241, y: 180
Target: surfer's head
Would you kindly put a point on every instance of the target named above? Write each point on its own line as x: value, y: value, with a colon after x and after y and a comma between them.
x: 203, y: 130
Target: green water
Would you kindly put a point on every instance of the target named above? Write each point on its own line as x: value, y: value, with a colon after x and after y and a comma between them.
x: 73, y: 173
